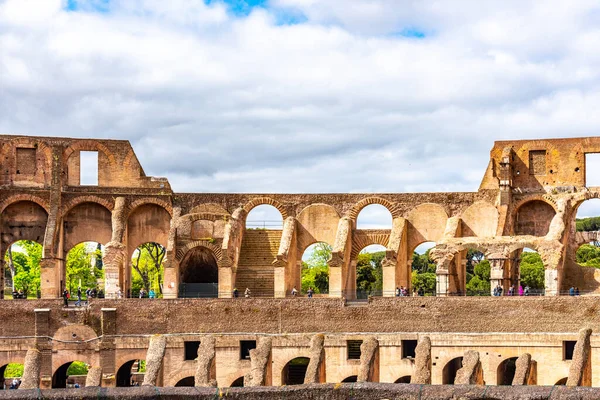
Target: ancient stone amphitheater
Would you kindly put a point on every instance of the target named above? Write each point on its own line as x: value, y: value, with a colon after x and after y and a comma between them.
x: 528, y: 198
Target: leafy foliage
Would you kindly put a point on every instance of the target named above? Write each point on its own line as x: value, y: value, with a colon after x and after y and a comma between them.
x: 369, y: 274
x: 77, y: 368
x: 23, y: 258
x: 315, y: 271
x: 425, y: 281
x: 532, y: 270
x: 588, y: 256
x: 479, y: 284
x: 13, y: 370
x: 82, y: 267
x: 147, y: 269
x: 422, y: 263
x: 587, y: 224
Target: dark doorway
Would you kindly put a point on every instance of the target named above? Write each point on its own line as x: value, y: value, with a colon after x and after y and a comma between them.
x: 449, y: 372
x: 506, y: 371
x: 404, y: 379
x: 199, y: 274
x: 188, y: 381
x: 239, y: 382
x: 352, y: 378
x: 294, y: 371
x: 130, y: 374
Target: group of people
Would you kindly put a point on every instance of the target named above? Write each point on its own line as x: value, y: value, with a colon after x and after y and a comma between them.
x: 523, y: 291
x: 236, y: 293
x: 18, y: 294
x: 14, y: 384
x: 151, y: 293
x: 574, y: 291
x: 90, y: 293
x: 404, y: 292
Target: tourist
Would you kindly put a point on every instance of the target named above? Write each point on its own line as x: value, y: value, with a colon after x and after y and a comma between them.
x: 119, y: 293
x: 78, y: 302
x: 511, y: 290
x: 235, y: 292
x: 65, y: 296
x: 397, y: 291
x: 87, y: 293
x: 310, y: 292
x: 247, y: 293
x: 421, y: 292
x: 294, y: 291
x: 151, y: 294
x: 520, y: 290
x: 572, y: 291
x: 93, y: 293
x: 526, y: 291
x: 142, y: 293
x: 576, y: 291
x: 401, y: 291
x: 500, y: 290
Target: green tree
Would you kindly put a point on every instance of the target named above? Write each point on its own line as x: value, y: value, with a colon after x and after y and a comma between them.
x: 425, y: 281
x: 587, y: 224
x: 13, y: 370
x: 82, y: 267
x: 422, y: 263
x: 369, y: 273
x: 588, y: 256
x: 532, y: 270
x: 23, y: 259
x: 147, y: 268
x: 315, y: 271
x: 479, y: 284
x: 77, y: 368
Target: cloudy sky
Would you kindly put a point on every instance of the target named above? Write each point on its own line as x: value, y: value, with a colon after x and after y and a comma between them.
x: 303, y: 95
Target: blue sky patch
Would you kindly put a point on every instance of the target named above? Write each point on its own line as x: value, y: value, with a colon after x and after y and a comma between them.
x: 411, y: 32
x: 102, y: 6
x: 240, y: 8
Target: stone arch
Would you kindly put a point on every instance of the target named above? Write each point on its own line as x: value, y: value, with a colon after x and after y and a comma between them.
x: 23, y: 220
x: 88, y: 145
x: 360, y: 241
x: 533, y: 217
x: 182, y: 251
x: 75, y: 332
x: 88, y: 221
x: 124, y: 373
x: 506, y: 371
x: 128, y: 158
x: 209, y: 208
x: 87, y: 199
x: 351, y: 378
x: 294, y: 371
x: 355, y: 210
x: 179, y: 375
x: 24, y: 197
x: 238, y: 382
x: 257, y: 201
x: 403, y: 379
x: 149, y: 200
x: 427, y: 223
x: 450, y: 369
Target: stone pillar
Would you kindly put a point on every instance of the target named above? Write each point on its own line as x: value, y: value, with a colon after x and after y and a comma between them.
x: 260, y: 364
x: 154, y: 359
x: 522, y: 370
x: 471, y: 372
x: 422, y: 374
x: 94, y: 377
x: 336, y: 285
x: 442, y: 283
x: 107, y: 347
x: 279, y: 279
x: 389, y: 267
x: 551, y: 282
x: 31, y: 370
x: 369, y: 361
x: 115, y: 251
x: 171, y: 279
x: 50, y: 282
x: 204, y: 363
x: 42, y: 331
x: 497, y: 274
x: 225, y: 282
x: 315, y: 373
x: 580, y: 372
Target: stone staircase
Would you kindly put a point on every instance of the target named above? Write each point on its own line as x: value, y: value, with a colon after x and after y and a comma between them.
x: 255, y: 266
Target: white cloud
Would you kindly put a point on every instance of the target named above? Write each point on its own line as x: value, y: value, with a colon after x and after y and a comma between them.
x: 340, y: 103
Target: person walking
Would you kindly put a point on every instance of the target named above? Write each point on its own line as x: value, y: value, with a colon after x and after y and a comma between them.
x: 526, y: 291
x: 309, y: 293
x: 247, y: 293
x: 576, y: 291
x: 520, y: 290
x: 397, y: 291
x: 65, y: 296
x: 572, y: 291
x: 236, y: 293
x: 78, y: 302
x: 151, y: 294
x: 294, y: 291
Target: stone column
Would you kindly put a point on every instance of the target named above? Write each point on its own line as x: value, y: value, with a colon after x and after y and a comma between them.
x: 336, y: 285
x: 225, y: 282
x: 50, y: 282
x: 42, y: 331
x: 389, y: 267
x: 107, y: 347
x: 115, y: 252
x: 442, y: 283
x: 497, y: 274
x: 170, y: 262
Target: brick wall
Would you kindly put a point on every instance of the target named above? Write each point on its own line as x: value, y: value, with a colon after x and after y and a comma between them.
x: 255, y: 267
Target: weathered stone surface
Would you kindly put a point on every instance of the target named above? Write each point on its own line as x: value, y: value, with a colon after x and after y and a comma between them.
x: 205, y: 360
x: 369, y: 352
x: 422, y: 374
x: 31, y: 371
x: 580, y: 370
x: 154, y: 358
x: 94, y: 377
x: 316, y: 367
x: 471, y: 372
x: 523, y: 369
x: 259, y: 363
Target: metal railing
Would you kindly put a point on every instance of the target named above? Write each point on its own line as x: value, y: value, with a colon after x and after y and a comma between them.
x: 267, y: 225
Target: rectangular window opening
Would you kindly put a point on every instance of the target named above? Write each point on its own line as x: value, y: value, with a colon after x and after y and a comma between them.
x: 245, y: 347
x: 537, y: 162
x: 88, y: 168
x: 25, y: 161
x: 190, y: 350
x: 568, y: 349
x: 353, y: 347
x: 592, y: 170
x: 409, y: 348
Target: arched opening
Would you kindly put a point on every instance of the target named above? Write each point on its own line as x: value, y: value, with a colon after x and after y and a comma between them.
x: 70, y: 375
x: 562, y: 381
x: 352, y: 378
x: 403, y: 379
x: 22, y: 273
x: 450, y: 369
x: 533, y: 218
x: 131, y: 373
x: 84, y: 271
x: 423, y: 272
x: 10, y: 376
x: 529, y: 279
x: 264, y: 216
x: 188, y: 381
x: 506, y: 371
x: 294, y: 371
x: 199, y: 274
x: 315, y: 269
x: 239, y: 382
x: 147, y: 271
x: 374, y: 216
x: 369, y: 272
x: 478, y: 271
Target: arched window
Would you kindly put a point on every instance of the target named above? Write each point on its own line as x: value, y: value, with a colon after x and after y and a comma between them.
x: 450, y: 369
x: 374, y: 216
x: 84, y: 269
x: 70, y: 375
x: 147, y: 271
x: 506, y: 371
x: 131, y: 373
x: 264, y: 216
x: 369, y: 272
x: 22, y: 272
x: 187, y: 381
x: 294, y: 371
x: 199, y: 274
x: 315, y: 270
x: 423, y: 270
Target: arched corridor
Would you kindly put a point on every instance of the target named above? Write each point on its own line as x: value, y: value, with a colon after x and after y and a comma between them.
x: 199, y: 274
x: 450, y: 369
x: 294, y: 371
